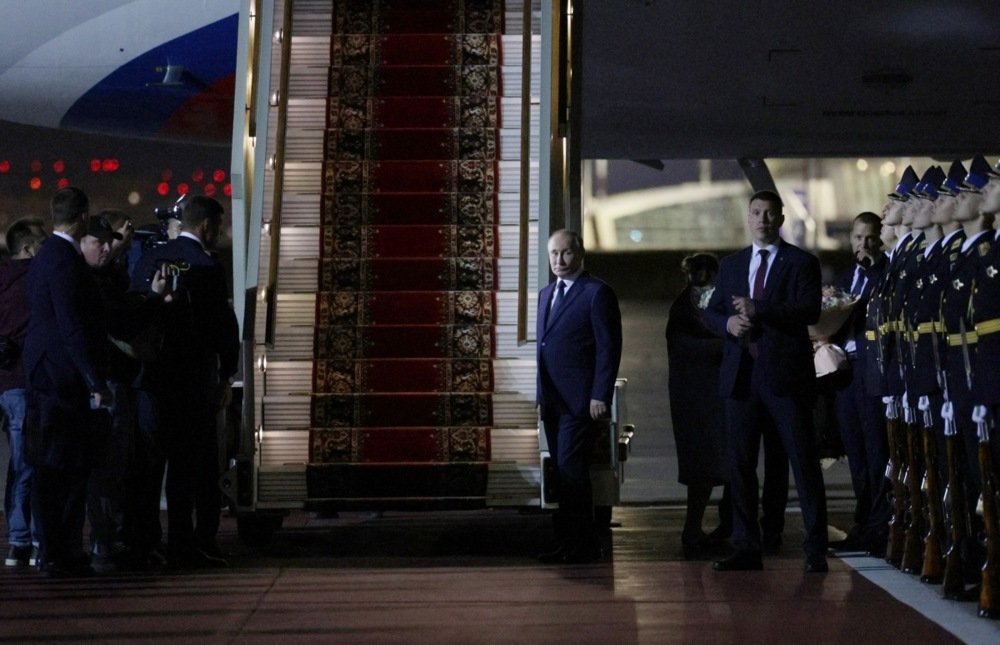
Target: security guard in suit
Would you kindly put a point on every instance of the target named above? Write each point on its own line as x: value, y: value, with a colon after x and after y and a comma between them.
x: 65, y: 360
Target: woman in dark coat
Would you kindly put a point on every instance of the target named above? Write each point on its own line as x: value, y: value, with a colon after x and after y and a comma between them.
x: 694, y: 356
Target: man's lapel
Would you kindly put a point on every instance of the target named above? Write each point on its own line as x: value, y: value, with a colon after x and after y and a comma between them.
x: 742, y: 287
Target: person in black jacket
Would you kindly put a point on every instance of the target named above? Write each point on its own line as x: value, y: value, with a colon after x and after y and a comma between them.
x: 65, y: 360
x: 859, y: 413
x: 111, y: 489
x: 696, y: 411
x: 189, y: 380
x: 24, y: 238
x: 766, y: 296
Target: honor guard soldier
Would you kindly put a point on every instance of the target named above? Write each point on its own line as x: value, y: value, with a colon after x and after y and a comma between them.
x: 881, y: 346
x: 986, y: 396
x: 924, y: 334
x: 959, y: 370
x: 909, y: 267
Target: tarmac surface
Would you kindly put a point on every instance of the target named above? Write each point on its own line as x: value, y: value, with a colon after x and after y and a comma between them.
x: 471, y: 576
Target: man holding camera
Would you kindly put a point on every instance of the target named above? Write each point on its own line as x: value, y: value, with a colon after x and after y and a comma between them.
x: 189, y: 379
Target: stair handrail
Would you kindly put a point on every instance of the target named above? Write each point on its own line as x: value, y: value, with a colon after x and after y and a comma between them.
x: 525, y: 183
x: 279, y: 174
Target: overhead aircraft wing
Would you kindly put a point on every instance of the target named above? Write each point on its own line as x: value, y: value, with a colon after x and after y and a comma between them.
x: 144, y: 68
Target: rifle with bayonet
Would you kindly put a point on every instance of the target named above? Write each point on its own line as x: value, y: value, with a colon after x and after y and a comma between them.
x: 989, y: 601
x: 913, y: 541
x: 953, y: 500
x: 953, y: 587
x: 933, y: 567
x: 893, y: 469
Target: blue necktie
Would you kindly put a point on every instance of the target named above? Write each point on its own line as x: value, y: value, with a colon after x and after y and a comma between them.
x: 859, y: 282
x: 560, y: 292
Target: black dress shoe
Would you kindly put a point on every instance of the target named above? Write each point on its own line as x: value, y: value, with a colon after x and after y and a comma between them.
x: 720, y: 534
x: 72, y: 569
x: 211, y: 548
x: 848, y: 544
x: 582, y: 555
x: 876, y: 545
x: 816, y: 563
x: 771, y: 543
x: 195, y: 559
x: 740, y: 561
x: 697, y: 548
x: 554, y: 556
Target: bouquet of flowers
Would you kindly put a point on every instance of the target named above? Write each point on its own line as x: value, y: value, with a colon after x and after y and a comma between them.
x: 837, y: 307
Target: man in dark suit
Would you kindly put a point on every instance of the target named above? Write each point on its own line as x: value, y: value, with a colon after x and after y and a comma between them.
x: 579, y: 336
x: 189, y: 380
x: 64, y: 359
x: 766, y: 296
x: 859, y: 413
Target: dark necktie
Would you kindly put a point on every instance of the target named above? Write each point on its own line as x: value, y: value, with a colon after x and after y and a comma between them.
x: 758, y: 292
x: 560, y: 292
x: 758, y: 279
x: 859, y: 282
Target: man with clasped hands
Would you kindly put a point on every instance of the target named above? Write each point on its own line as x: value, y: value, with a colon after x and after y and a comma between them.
x: 766, y: 295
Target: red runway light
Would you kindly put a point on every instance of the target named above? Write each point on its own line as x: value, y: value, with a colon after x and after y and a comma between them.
x: 227, y: 190
x: 209, y: 190
x: 95, y: 165
x: 109, y: 165
x: 59, y: 166
x: 182, y: 189
x: 219, y: 176
x: 63, y: 182
x: 4, y: 166
x: 198, y: 175
x: 35, y: 183
x: 36, y: 166
x: 163, y: 188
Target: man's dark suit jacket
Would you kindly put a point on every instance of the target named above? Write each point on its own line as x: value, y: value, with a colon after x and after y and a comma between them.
x: 64, y: 356
x: 580, y: 349
x: 854, y: 326
x: 201, y: 328
x: 791, y: 301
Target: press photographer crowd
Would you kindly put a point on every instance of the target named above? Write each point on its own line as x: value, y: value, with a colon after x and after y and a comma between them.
x: 118, y: 350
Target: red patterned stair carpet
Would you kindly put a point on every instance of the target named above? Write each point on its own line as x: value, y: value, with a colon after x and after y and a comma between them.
x: 403, y: 380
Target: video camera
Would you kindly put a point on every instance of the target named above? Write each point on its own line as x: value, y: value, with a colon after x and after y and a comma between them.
x: 157, y: 234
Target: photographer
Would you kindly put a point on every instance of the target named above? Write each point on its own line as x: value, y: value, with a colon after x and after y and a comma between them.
x: 188, y: 382
x: 132, y: 321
